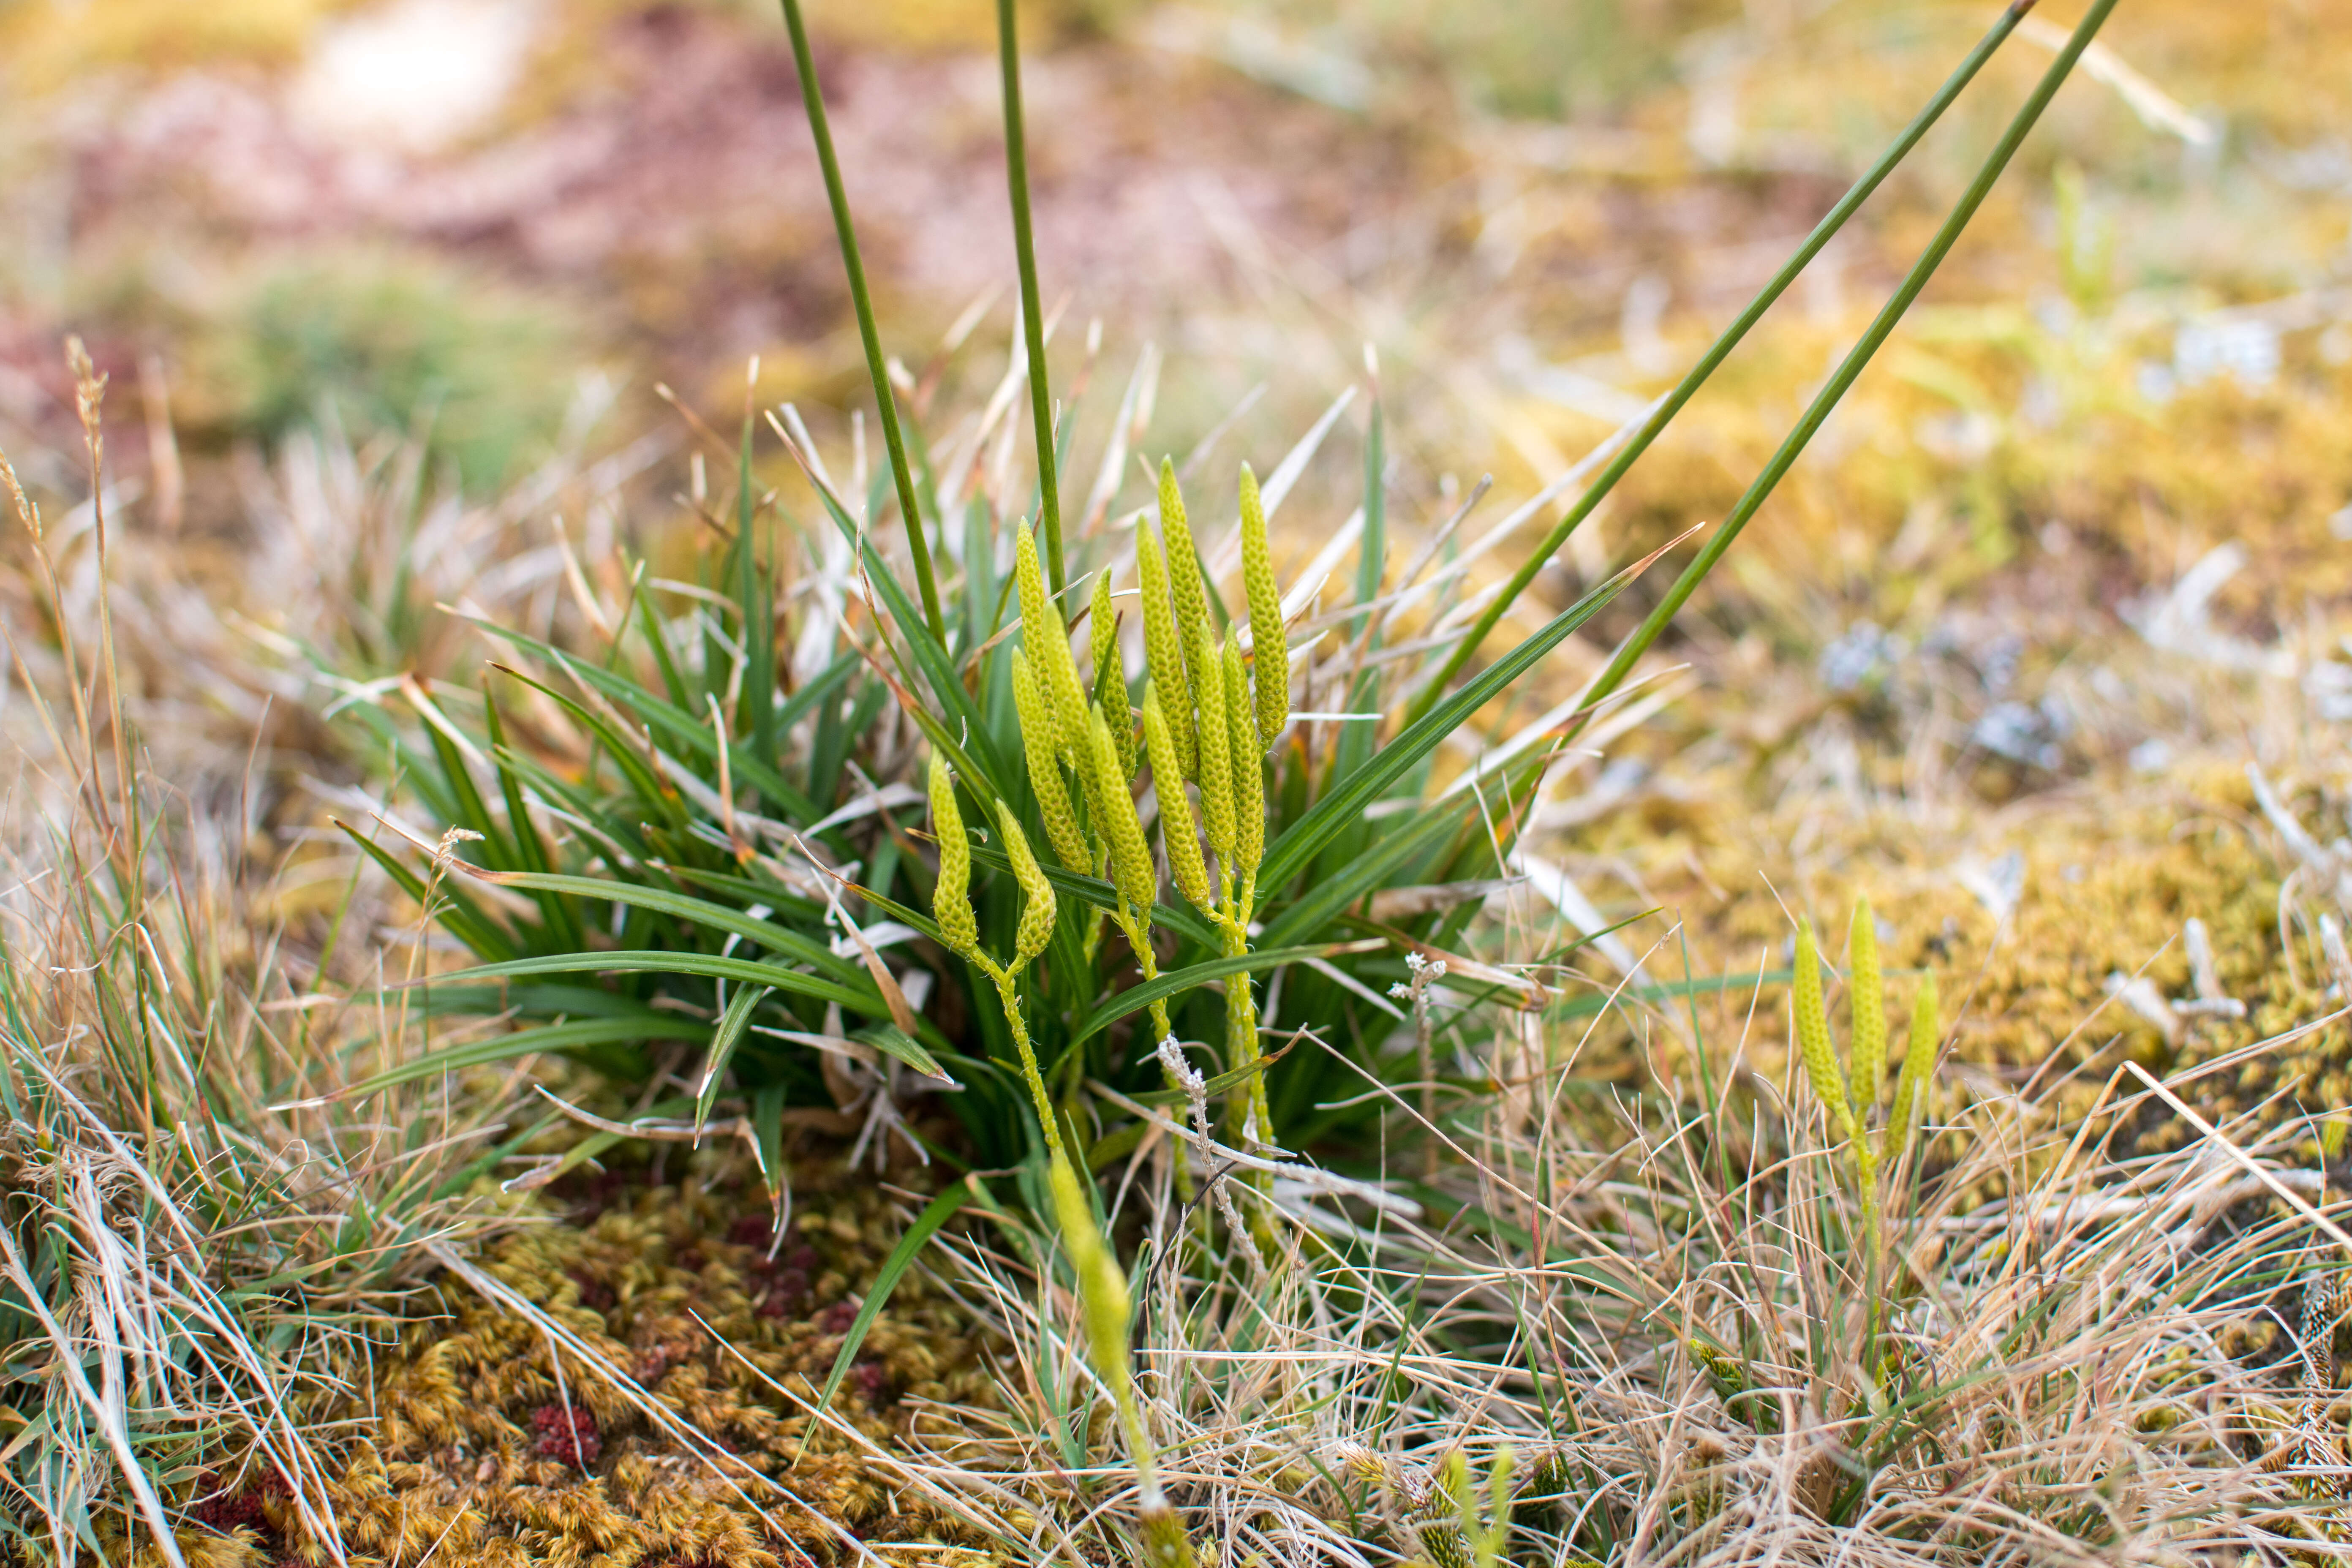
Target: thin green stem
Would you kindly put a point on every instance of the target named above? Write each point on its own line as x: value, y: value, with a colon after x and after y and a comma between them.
x: 1041, y: 403
x: 1851, y: 368
x: 900, y: 474
x: 1010, y: 998
x: 1716, y: 354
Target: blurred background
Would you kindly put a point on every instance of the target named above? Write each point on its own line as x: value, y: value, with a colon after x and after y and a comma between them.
x: 2087, y: 521
x: 1536, y: 212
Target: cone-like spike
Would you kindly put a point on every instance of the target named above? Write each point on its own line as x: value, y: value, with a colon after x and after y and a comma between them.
x: 1177, y: 830
x: 1272, y: 654
x: 951, y: 894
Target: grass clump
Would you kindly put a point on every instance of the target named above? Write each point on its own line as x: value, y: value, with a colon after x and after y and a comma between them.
x: 383, y: 342
x: 194, y: 1245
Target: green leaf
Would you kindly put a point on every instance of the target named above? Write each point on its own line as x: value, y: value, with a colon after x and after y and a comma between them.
x: 801, y: 948
x: 530, y: 850
x: 691, y: 732
x: 1344, y: 805
x: 1372, y: 555
x: 1136, y: 998
x: 1586, y: 1004
x: 650, y: 628
x: 902, y: 1256
x: 975, y: 753
x: 1326, y: 897
x: 464, y: 919
x: 473, y: 814
x: 654, y: 792
x: 703, y: 965
x: 813, y: 101
x: 617, y: 832
x: 768, y: 1141
x: 648, y: 1024
x: 758, y: 609
x: 732, y: 1023
x: 894, y: 1041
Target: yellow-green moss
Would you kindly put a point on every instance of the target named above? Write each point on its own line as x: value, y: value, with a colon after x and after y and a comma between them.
x: 462, y: 1436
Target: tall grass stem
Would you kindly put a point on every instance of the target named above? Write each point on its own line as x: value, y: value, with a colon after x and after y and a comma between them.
x: 1041, y: 402
x: 1719, y: 351
x: 1851, y: 368
x: 901, y: 476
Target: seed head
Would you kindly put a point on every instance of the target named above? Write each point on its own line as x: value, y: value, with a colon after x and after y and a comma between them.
x: 1813, y: 1031
x: 1130, y: 853
x: 1869, y: 1007
x: 1178, y: 831
x: 1273, y: 660
x: 1918, y: 1067
x: 1163, y: 650
x: 1216, y: 754
x: 1047, y: 642
x: 1039, y: 740
x: 1038, y: 910
x: 1249, y: 775
x: 1184, y: 583
x: 951, y: 894
x: 1111, y: 673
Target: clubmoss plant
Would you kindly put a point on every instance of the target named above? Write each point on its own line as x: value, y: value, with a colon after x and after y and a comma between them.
x: 1851, y: 1094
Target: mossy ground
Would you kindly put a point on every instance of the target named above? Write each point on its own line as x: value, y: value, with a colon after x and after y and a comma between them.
x: 2103, y: 885
x: 468, y: 1438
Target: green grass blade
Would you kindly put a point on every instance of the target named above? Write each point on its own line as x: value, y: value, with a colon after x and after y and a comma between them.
x: 1327, y: 896
x: 1041, y: 401
x: 795, y: 945
x: 1138, y: 997
x: 615, y: 831
x: 749, y: 972
x: 1372, y: 554
x: 652, y: 789
x: 1585, y: 1004
x: 461, y: 916
x: 650, y: 625
x: 975, y: 753
x: 692, y: 732
x: 894, y: 1267
x: 813, y: 99
x: 570, y: 1003
x: 1850, y: 369
x: 1337, y: 811
x: 732, y: 1025
x: 530, y: 850
x: 473, y: 812
x: 648, y: 1024
x: 1824, y: 232
x: 758, y: 611
x: 894, y: 1041
x: 767, y: 1142
x: 780, y: 900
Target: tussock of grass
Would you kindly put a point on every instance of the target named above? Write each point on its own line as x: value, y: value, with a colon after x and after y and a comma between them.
x: 199, y: 1238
